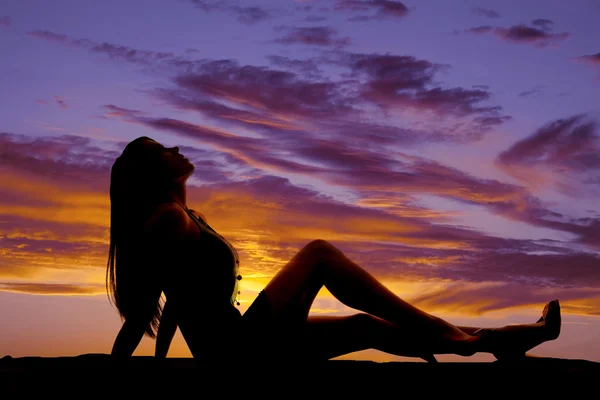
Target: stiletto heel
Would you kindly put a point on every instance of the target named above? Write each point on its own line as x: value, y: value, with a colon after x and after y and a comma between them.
x: 430, y: 358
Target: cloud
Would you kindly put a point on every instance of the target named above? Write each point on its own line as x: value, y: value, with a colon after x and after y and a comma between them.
x: 53, y: 228
x: 565, y: 153
x: 315, y: 18
x: 486, y: 12
x: 404, y: 81
x: 544, y: 24
x: 533, y: 92
x: 245, y: 14
x: 60, y: 38
x: 226, y: 93
x: 5, y: 21
x: 461, y: 114
x: 378, y: 9
x: 309, y: 68
x: 115, y: 111
x: 46, y: 289
x: 69, y: 158
x: 464, y: 297
x: 312, y: 36
x: 526, y: 34
x: 266, y: 89
x: 54, y: 208
x: 50, y: 36
x: 260, y: 98
x: 155, y: 59
x: 251, y: 15
x: 592, y: 59
x: 479, y: 29
x: 365, y: 171
x: 539, y: 33
x: 61, y: 102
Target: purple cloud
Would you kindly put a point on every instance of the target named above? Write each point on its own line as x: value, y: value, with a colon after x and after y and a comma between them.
x: 379, y: 9
x: 273, y: 90
x: 568, y: 149
x: 566, y: 143
x: 251, y: 15
x: 538, y: 34
x: 487, y: 259
x: 5, y: 21
x: 360, y: 170
x: 527, y: 34
x: 70, y: 160
x: 403, y: 239
x: 247, y: 15
x: 61, y: 102
x: 592, y: 59
x: 369, y: 83
x: 309, y: 68
x: 486, y: 12
x: 115, y: 111
x: 315, y: 18
x: 478, y: 29
x: 317, y: 100
x: 156, y: 59
x: 401, y: 81
x: 312, y: 36
x: 542, y: 23
x: 50, y: 36
x: 533, y: 92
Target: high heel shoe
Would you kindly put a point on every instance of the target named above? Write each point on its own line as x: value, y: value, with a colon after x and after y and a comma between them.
x: 430, y: 358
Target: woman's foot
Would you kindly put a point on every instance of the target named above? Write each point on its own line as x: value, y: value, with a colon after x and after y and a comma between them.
x: 514, y: 341
x: 451, y: 340
x: 551, y: 320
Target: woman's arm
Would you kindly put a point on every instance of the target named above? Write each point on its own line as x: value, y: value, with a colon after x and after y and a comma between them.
x: 128, y: 338
x: 166, y: 331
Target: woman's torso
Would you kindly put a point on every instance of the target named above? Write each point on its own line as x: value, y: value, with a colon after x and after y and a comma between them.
x: 220, y: 258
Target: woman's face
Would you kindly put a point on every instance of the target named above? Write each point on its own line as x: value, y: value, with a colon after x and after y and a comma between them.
x: 177, y: 166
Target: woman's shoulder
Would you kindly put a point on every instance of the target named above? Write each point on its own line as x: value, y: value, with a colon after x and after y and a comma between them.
x: 170, y: 220
x: 199, y: 215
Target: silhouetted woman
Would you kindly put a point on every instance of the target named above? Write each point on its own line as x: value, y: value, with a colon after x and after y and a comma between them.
x: 158, y: 245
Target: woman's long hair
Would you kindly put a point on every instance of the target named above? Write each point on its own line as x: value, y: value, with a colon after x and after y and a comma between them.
x: 138, y: 184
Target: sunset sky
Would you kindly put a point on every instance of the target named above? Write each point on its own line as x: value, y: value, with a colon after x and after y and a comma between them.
x: 451, y: 148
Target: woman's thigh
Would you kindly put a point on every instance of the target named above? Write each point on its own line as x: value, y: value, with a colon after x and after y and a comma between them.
x: 293, y: 289
x: 326, y: 337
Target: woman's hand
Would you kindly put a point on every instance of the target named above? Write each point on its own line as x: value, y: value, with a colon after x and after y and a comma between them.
x: 129, y: 337
x: 166, y: 331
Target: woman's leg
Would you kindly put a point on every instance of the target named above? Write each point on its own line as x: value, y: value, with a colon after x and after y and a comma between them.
x: 328, y: 337
x: 293, y: 289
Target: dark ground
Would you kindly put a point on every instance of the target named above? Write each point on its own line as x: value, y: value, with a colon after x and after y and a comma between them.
x: 99, y: 372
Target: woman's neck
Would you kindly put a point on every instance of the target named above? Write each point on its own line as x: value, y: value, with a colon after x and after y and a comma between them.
x: 178, y: 195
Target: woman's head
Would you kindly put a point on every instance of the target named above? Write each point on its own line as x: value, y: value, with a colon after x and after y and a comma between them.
x: 147, y: 172
x: 145, y: 175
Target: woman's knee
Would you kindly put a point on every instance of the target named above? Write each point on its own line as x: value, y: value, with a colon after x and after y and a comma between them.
x: 319, y: 247
x: 363, y: 320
